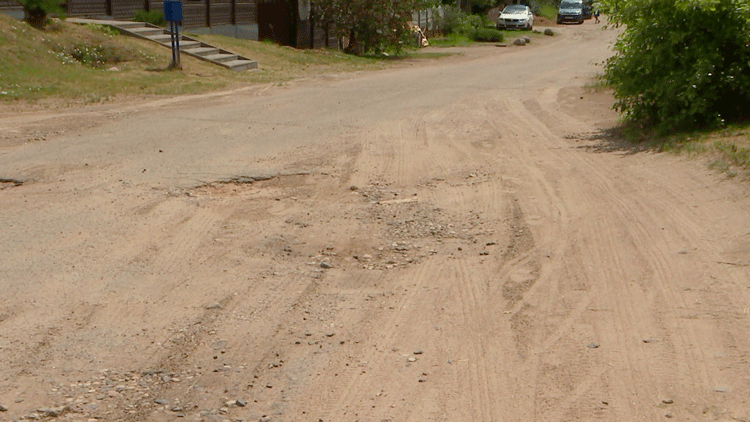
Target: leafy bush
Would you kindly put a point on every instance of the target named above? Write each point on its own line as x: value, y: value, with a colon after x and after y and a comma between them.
x: 486, y: 35
x: 471, y: 23
x: 681, y: 64
x: 369, y: 25
x: 450, y: 19
x: 36, y: 11
x: 154, y: 17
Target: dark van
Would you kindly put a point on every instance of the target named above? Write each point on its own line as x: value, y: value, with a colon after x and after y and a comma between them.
x: 572, y: 11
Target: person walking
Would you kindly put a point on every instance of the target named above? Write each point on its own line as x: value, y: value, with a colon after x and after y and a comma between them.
x: 596, y: 12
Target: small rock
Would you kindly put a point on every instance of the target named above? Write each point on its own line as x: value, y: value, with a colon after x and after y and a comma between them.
x: 650, y: 340
x: 549, y: 32
x: 177, y: 409
x: 3, y: 408
x: 114, y: 69
x: 527, y: 39
x: 241, y: 403
x: 325, y: 265
x: 683, y: 252
x: 214, y: 306
x: 161, y: 401
x: 483, y: 253
x: 51, y: 413
x: 330, y: 334
x: 668, y: 416
x: 417, y: 352
x: 352, y: 187
x: 667, y: 401
x: 519, y: 41
x: 411, y: 359
x: 422, y: 379
x: 592, y: 345
x: 720, y: 389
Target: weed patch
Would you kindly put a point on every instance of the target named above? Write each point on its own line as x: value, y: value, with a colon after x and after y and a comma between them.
x: 96, y: 56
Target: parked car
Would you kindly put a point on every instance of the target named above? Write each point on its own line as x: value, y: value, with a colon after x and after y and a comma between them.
x: 516, y: 16
x: 572, y: 11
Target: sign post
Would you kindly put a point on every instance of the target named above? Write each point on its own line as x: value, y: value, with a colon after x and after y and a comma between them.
x: 173, y: 14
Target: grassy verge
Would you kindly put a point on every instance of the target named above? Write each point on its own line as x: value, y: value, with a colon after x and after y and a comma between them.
x: 463, y: 40
x: 728, y: 149
x: 452, y: 40
x: 74, y: 64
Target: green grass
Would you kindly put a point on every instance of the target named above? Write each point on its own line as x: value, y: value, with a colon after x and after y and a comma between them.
x: 67, y: 64
x: 451, y: 40
x: 728, y: 150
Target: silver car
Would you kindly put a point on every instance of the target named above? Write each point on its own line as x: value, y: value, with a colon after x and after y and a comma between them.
x: 516, y: 16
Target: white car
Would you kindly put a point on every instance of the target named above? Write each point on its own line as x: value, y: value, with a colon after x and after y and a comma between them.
x: 516, y: 16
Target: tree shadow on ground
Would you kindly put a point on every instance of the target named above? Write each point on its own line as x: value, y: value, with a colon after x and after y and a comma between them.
x: 626, y: 138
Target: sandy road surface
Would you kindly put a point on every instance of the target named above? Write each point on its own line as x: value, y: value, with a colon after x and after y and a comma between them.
x: 446, y: 242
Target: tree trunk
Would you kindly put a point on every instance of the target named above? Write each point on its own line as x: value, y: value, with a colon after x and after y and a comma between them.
x: 35, y: 17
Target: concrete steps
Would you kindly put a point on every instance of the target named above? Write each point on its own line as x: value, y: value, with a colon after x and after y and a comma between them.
x: 189, y: 46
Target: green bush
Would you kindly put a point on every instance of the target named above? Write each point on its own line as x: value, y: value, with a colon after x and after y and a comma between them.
x: 486, y: 35
x: 681, y: 64
x: 451, y: 19
x: 36, y: 11
x: 154, y: 17
x: 472, y: 22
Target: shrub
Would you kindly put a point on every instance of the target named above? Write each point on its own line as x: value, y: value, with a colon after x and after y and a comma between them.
x: 369, y: 25
x: 36, y: 11
x: 681, y: 64
x: 154, y: 17
x: 487, y: 35
x: 450, y: 19
x: 471, y: 23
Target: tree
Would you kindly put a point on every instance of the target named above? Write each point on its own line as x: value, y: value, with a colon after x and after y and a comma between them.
x: 681, y: 64
x: 370, y: 25
x: 36, y: 11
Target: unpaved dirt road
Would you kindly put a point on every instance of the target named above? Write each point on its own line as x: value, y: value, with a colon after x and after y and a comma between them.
x: 449, y: 241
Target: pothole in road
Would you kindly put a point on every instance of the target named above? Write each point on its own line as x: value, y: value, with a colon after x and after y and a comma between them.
x: 10, y: 183
x: 235, y: 184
